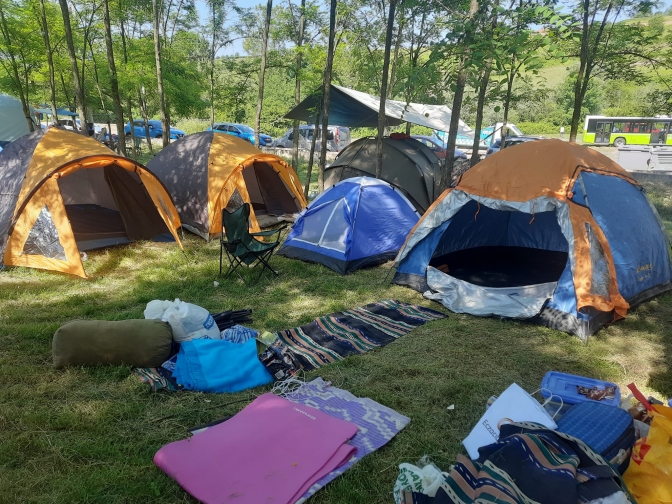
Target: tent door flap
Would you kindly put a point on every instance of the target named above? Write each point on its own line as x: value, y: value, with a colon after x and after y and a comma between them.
x: 464, y: 297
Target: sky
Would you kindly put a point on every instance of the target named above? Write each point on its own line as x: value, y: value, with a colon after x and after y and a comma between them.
x: 236, y: 46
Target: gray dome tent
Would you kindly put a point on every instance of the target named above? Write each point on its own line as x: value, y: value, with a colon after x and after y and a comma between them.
x: 407, y: 164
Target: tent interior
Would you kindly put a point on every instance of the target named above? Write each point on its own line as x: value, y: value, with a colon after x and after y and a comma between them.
x: 271, y: 199
x: 110, y: 206
x: 500, y: 249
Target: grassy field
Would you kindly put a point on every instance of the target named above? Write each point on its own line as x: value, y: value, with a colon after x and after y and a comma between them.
x: 88, y: 434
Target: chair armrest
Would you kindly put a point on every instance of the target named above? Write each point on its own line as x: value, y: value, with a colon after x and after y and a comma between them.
x: 271, y: 232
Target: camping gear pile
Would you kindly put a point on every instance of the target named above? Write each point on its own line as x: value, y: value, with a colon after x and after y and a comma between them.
x: 595, y: 451
x: 272, y: 449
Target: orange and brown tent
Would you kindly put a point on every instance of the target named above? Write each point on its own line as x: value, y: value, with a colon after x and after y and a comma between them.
x: 207, y: 172
x: 548, y: 231
x: 62, y: 193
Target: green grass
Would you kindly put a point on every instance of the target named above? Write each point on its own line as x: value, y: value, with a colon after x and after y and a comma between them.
x: 88, y: 434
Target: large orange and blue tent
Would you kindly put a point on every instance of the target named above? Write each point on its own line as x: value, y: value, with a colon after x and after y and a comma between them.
x: 62, y: 193
x: 547, y: 231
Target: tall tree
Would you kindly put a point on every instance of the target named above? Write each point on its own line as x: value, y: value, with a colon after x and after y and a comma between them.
x: 297, y: 84
x: 218, y: 37
x: 383, y: 89
x: 50, y: 59
x: 114, y: 82
x: 11, y: 50
x: 460, y: 83
x: 613, y: 50
x: 326, y: 94
x: 165, y: 121
x: 262, y: 71
x: 79, y: 94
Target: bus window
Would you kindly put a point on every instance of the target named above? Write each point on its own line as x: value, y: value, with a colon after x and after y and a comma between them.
x: 619, y: 127
x: 641, y: 127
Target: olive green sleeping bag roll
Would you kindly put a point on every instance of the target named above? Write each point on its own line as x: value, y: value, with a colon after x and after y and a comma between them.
x: 140, y: 343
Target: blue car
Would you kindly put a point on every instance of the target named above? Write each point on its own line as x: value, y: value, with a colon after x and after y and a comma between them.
x: 241, y: 131
x: 155, y: 130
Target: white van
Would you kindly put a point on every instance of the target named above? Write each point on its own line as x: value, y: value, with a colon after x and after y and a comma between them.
x: 338, y: 137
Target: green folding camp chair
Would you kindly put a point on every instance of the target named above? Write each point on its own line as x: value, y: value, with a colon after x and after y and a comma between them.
x: 243, y: 247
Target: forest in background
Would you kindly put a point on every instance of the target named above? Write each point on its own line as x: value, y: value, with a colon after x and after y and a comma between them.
x: 540, y: 63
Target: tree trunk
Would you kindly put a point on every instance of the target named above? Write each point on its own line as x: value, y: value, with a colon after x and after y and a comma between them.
x: 309, y: 172
x: 393, y: 71
x: 482, y: 90
x: 165, y: 121
x: 79, y: 95
x: 297, y: 86
x: 212, y: 67
x: 507, y: 107
x: 15, y: 70
x: 383, y: 90
x: 114, y: 82
x: 262, y: 72
x: 446, y: 176
x: 325, y: 95
x: 134, y: 154
x: 50, y: 61
x: 583, y: 58
x: 65, y: 90
x: 145, y: 118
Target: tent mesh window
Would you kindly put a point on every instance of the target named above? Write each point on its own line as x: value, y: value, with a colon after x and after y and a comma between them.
x: 235, y: 202
x: 599, y: 283
x: 43, y: 238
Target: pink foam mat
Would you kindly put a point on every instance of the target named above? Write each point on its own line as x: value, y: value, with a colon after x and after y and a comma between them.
x: 269, y: 453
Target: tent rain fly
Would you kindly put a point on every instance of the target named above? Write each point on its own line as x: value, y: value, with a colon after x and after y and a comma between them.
x: 354, y: 109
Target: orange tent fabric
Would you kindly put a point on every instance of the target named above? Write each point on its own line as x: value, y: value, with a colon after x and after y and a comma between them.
x: 45, y: 192
x: 550, y: 169
x: 204, y: 171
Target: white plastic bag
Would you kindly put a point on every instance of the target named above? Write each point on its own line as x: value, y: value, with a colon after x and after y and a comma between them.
x: 187, y: 321
x: 426, y: 480
x: 155, y: 309
x: 514, y: 405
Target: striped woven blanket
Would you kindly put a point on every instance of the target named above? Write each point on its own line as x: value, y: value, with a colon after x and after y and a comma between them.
x: 335, y: 336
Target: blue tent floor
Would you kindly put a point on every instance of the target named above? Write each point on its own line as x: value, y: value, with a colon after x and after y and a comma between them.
x: 503, y: 266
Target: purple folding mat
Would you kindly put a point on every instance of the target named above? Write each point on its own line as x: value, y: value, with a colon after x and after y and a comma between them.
x: 272, y: 451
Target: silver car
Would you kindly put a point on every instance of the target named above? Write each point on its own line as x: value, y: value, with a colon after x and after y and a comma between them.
x: 338, y: 137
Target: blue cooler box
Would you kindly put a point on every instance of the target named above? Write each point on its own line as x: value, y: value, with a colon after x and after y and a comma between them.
x: 564, y: 385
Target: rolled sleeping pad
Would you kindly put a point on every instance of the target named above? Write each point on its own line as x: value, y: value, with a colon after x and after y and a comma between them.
x: 140, y: 343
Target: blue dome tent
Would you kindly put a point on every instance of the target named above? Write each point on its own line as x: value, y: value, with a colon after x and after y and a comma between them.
x: 358, y: 222
x: 548, y: 231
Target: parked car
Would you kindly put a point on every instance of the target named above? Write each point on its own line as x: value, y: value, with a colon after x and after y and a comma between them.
x: 338, y: 137
x: 510, y: 141
x: 493, y: 133
x: 241, y: 131
x: 155, y: 129
x: 437, y: 147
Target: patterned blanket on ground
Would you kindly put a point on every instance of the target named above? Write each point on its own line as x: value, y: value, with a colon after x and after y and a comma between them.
x: 335, y: 336
x: 377, y: 424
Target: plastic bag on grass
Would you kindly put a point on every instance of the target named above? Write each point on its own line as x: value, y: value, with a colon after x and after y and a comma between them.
x: 426, y: 479
x: 187, y: 321
x: 649, y: 477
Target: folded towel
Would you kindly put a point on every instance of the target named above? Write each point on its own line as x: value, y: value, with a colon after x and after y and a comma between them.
x: 219, y: 366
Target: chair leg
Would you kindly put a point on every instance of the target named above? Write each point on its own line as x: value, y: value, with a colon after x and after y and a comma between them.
x: 221, y: 253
